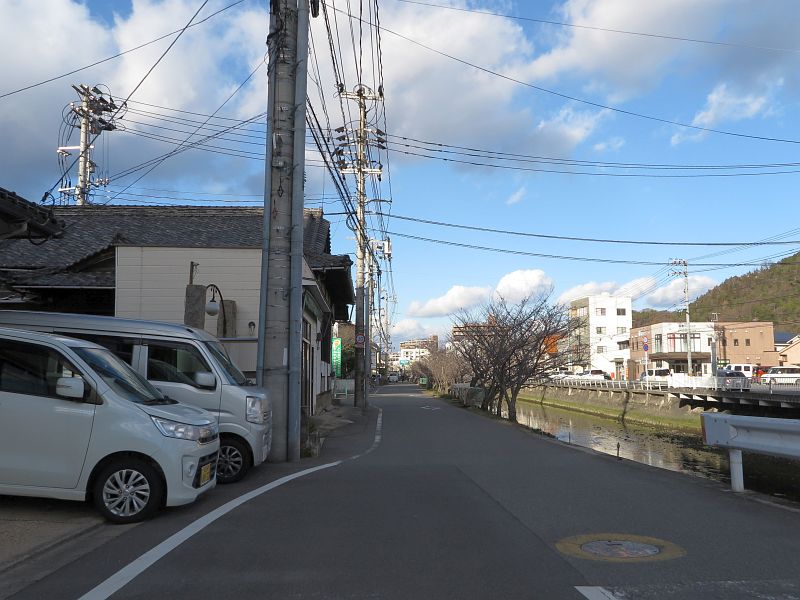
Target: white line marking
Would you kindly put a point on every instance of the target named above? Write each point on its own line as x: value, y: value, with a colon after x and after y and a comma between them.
x: 595, y: 593
x: 125, y: 575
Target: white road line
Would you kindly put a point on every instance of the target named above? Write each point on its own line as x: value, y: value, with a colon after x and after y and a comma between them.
x: 595, y: 593
x: 125, y: 575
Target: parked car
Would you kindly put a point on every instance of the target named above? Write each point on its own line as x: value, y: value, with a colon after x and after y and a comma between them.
x: 728, y: 379
x: 393, y: 378
x: 78, y: 423
x: 655, y: 375
x: 786, y: 374
x: 184, y: 363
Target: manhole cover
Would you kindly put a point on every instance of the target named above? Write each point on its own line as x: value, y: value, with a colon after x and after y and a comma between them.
x: 620, y: 548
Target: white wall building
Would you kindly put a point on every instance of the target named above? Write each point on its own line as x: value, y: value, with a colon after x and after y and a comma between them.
x: 605, y: 332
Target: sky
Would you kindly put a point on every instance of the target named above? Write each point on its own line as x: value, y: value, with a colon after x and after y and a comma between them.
x: 511, y: 125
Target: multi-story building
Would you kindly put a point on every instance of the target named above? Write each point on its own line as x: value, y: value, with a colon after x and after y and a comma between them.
x: 604, y: 336
x: 730, y: 343
x: 413, y: 350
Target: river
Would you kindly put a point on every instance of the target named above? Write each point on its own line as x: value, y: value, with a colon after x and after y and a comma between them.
x: 666, y: 449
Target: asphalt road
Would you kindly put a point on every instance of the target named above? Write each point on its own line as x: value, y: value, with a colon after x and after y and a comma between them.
x: 441, y: 502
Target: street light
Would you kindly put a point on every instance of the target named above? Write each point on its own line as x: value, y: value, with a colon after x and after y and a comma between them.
x: 213, y: 307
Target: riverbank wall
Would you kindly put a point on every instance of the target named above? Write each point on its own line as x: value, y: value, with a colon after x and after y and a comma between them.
x: 647, y: 407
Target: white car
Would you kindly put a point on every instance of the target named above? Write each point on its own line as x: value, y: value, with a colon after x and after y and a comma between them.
x: 786, y: 374
x: 78, y: 423
x: 393, y: 378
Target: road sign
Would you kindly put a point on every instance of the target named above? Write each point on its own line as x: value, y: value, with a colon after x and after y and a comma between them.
x: 360, y: 340
x: 404, y: 361
x: 645, y: 340
x: 646, y: 347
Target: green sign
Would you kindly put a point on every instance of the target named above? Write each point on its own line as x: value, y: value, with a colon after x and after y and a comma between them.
x: 404, y: 361
x: 336, y: 356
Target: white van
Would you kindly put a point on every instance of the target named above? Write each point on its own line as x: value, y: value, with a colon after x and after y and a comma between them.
x: 77, y: 423
x: 186, y: 364
x: 748, y: 369
x: 786, y: 374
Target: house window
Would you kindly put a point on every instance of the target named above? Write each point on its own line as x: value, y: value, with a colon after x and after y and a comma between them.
x: 600, y: 330
x: 746, y: 341
x: 735, y: 342
x: 710, y: 341
x: 600, y: 312
x: 624, y: 345
x: 621, y: 312
x: 601, y: 349
x: 622, y: 330
x: 724, y: 342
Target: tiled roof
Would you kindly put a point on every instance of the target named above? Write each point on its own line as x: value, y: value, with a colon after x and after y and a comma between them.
x: 92, y: 229
x: 40, y: 221
x: 103, y: 280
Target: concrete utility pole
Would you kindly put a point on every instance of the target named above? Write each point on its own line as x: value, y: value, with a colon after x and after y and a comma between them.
x: 95, y: 115
x: 685, y: 272
x: 278, y: 359
x: 361, y: 169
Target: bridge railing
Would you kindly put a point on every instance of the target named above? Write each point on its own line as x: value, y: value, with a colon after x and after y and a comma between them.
x: 778, y: 437
x: 678, y: 381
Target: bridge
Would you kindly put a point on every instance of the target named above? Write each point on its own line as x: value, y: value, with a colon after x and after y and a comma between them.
x: 735, y: 395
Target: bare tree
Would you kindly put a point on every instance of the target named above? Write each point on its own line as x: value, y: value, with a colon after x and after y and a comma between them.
x: 507, y: 345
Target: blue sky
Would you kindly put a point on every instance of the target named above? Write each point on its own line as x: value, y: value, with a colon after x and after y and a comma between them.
x: 733, y: 70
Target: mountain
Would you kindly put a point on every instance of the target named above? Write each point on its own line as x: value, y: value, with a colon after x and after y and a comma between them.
x: 771, y: 293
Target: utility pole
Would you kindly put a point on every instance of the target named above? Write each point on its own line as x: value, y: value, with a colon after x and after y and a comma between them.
x: 280, y: 301
x: 361, y: 169
x: 94, y: 115
x: 685, y: 272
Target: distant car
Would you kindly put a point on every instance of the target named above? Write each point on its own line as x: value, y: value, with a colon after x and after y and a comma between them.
x: 786, y: 374
x: 655, y: 375
x: 393, y: 378
x: 733, y: 380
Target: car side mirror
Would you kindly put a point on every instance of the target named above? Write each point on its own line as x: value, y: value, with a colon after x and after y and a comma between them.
x: 204, y: 379
x: 70, y: 387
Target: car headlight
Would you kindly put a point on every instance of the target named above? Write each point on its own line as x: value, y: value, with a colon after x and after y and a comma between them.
x: 184, y: 431
x: 256, y: 410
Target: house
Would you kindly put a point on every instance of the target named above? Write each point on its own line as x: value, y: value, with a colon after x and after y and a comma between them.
x: 749, y: 342
x: 136, y: 261
x: 605, y: 332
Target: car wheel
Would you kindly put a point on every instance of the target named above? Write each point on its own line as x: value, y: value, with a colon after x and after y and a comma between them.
x: 128, y: 490
x: 234, y: 460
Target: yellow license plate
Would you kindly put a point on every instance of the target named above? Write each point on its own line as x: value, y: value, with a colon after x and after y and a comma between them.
x: 205, y: 474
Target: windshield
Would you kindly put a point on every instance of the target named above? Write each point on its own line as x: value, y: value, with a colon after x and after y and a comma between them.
x: 225, y: 362
x: 119, y: 376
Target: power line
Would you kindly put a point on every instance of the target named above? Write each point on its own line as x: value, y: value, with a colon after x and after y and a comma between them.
x: 582, y: 239
x: 99, y: 62
x: 582, y: 100
x: 573, y: 258
x: 605, y: 29
x: 138, y: 85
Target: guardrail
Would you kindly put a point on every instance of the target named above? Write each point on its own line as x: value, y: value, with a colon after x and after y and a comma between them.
x: 778, y: 437
x: 677, y: 382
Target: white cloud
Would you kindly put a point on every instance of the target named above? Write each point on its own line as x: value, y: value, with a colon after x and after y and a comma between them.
x: 457, y: 298
x: 593, y: 288
x: 517, y: 285
x: 724, y: 105
x: 672, y: 294
x: 606, y: 58
x: 613, y: 144
x: 411, y: 329
x: 516, y: 196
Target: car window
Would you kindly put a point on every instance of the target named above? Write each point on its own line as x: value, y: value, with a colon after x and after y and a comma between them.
x: 174, y: 362
x: 122, y: 347
x: 33, y: 369
x: 231, y: 370
x: 119, y: 375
